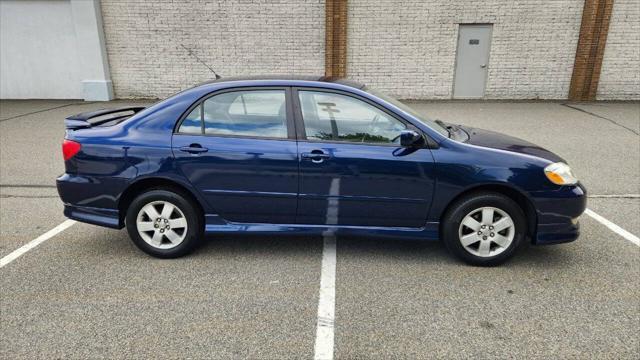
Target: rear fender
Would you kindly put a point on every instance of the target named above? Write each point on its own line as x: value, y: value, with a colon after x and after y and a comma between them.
x: 169, y: 180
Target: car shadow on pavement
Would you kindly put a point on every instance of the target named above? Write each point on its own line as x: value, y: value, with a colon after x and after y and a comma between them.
x: 117, y: 243
x: 393, y: 249
x: 549, y: 256
x: 435, y: 252
x: 258, y: 244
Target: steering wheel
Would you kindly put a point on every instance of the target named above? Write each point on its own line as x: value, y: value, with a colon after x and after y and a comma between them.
x: 374, y: 121
x: 372, y: 126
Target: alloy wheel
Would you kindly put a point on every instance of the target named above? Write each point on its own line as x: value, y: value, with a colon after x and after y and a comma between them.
x: 486, y: 231
x: 161, y: 224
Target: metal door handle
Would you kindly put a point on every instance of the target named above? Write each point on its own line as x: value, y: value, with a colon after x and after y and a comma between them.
x: 194, y: 149
x: 315, y: 156
x: 483, y: 66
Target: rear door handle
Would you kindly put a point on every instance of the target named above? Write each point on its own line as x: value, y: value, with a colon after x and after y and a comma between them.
x: 316, y: 156
x: 194, y: 149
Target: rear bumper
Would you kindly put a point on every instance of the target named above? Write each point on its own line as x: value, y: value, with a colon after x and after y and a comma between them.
x: 96, y: 216
x: 558, y: 213
x: 90, y: 199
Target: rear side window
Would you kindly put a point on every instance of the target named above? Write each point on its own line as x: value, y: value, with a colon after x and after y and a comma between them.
x: 192, y: 124
x: 251, y: 113
x: 261, y: 103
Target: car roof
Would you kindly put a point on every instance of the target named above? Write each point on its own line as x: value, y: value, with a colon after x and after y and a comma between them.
x: 285, y: 78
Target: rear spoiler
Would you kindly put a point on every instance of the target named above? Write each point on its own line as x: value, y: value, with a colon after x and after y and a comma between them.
x: 81, y: 121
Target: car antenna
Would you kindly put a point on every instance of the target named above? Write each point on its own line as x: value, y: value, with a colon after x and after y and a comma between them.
x: 190, y: 52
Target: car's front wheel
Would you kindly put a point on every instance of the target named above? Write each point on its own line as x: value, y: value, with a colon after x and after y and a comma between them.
x: 163, y: 223
x: 484, y: 229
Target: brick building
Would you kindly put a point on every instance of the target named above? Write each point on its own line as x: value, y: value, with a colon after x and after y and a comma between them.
x: 417, y: 49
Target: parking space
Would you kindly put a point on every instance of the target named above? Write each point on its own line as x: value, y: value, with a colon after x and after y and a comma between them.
x: 623, y: 211
x: 27, y: 213
x: 88, y: 292
x: 565, y: 301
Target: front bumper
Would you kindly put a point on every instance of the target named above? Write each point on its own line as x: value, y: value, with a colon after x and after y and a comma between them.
x: 558, y: 213
x: 550, y: 234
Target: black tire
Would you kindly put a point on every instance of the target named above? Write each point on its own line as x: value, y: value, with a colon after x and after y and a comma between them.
x: 468, y: 204
x: 194, y: 228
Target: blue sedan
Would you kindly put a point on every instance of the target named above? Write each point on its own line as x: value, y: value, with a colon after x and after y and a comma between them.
x: 311, y: 156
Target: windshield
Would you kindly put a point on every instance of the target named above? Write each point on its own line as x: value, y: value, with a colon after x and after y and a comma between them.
x: 432, y: 124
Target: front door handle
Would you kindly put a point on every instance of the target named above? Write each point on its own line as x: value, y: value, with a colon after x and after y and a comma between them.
x: 194, y: 149
x: 316, y: 156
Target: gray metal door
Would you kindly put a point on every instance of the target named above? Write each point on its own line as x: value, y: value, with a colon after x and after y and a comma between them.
x: 472, y: 61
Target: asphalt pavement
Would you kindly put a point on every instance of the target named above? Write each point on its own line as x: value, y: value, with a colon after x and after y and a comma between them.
x: 89, y: 293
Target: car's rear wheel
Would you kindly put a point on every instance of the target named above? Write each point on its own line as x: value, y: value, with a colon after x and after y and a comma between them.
x: 164, y: 223
x: 484, y: 228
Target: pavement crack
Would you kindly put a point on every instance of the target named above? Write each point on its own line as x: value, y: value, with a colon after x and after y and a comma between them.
x: 45, y: 110
x: 614, y: 196
x: 600, y: 116
x: 38, y: 186
x: 5, y: 196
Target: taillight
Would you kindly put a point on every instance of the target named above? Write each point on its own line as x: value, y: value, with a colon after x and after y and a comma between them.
x: 70, y: 149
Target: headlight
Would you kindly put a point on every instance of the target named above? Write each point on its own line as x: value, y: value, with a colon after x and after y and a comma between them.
x: 560, y: 174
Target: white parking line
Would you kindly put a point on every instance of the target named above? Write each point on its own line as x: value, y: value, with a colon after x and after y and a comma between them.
x: 327, y: 299
x: 35, y: 242
x: 613, y: 227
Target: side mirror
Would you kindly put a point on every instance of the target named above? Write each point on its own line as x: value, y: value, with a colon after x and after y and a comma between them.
x: 409, y: 138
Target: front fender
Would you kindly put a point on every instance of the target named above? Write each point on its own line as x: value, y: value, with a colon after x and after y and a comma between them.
x: 461, y: 168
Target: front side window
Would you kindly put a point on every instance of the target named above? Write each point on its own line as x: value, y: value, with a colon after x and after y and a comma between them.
x: 404, y: 107
x: 336, y: 117
x: 252, y: 113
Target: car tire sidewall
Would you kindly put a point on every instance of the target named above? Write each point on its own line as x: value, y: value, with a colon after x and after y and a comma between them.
x: 192, y: 216
x: 465, y: 206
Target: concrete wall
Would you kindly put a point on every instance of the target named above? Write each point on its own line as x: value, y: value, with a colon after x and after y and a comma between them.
x: 38, y: 57
x: 52, y: 49
x: 620, y: 76
x: 409, y: 50
x: 234, y: 37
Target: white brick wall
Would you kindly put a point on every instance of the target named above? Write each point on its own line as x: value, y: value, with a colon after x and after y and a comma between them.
x: 234, y: 37
x: 409, y: 50
x: 620, y: 75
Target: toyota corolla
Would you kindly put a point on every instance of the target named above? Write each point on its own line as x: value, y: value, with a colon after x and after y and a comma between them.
x: 307, y: 156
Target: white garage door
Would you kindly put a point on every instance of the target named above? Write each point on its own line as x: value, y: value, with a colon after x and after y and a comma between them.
x: 38, y: 50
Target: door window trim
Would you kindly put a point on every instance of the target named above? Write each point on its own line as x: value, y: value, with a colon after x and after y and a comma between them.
x: 299, y: 119
x: 289, y: 113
